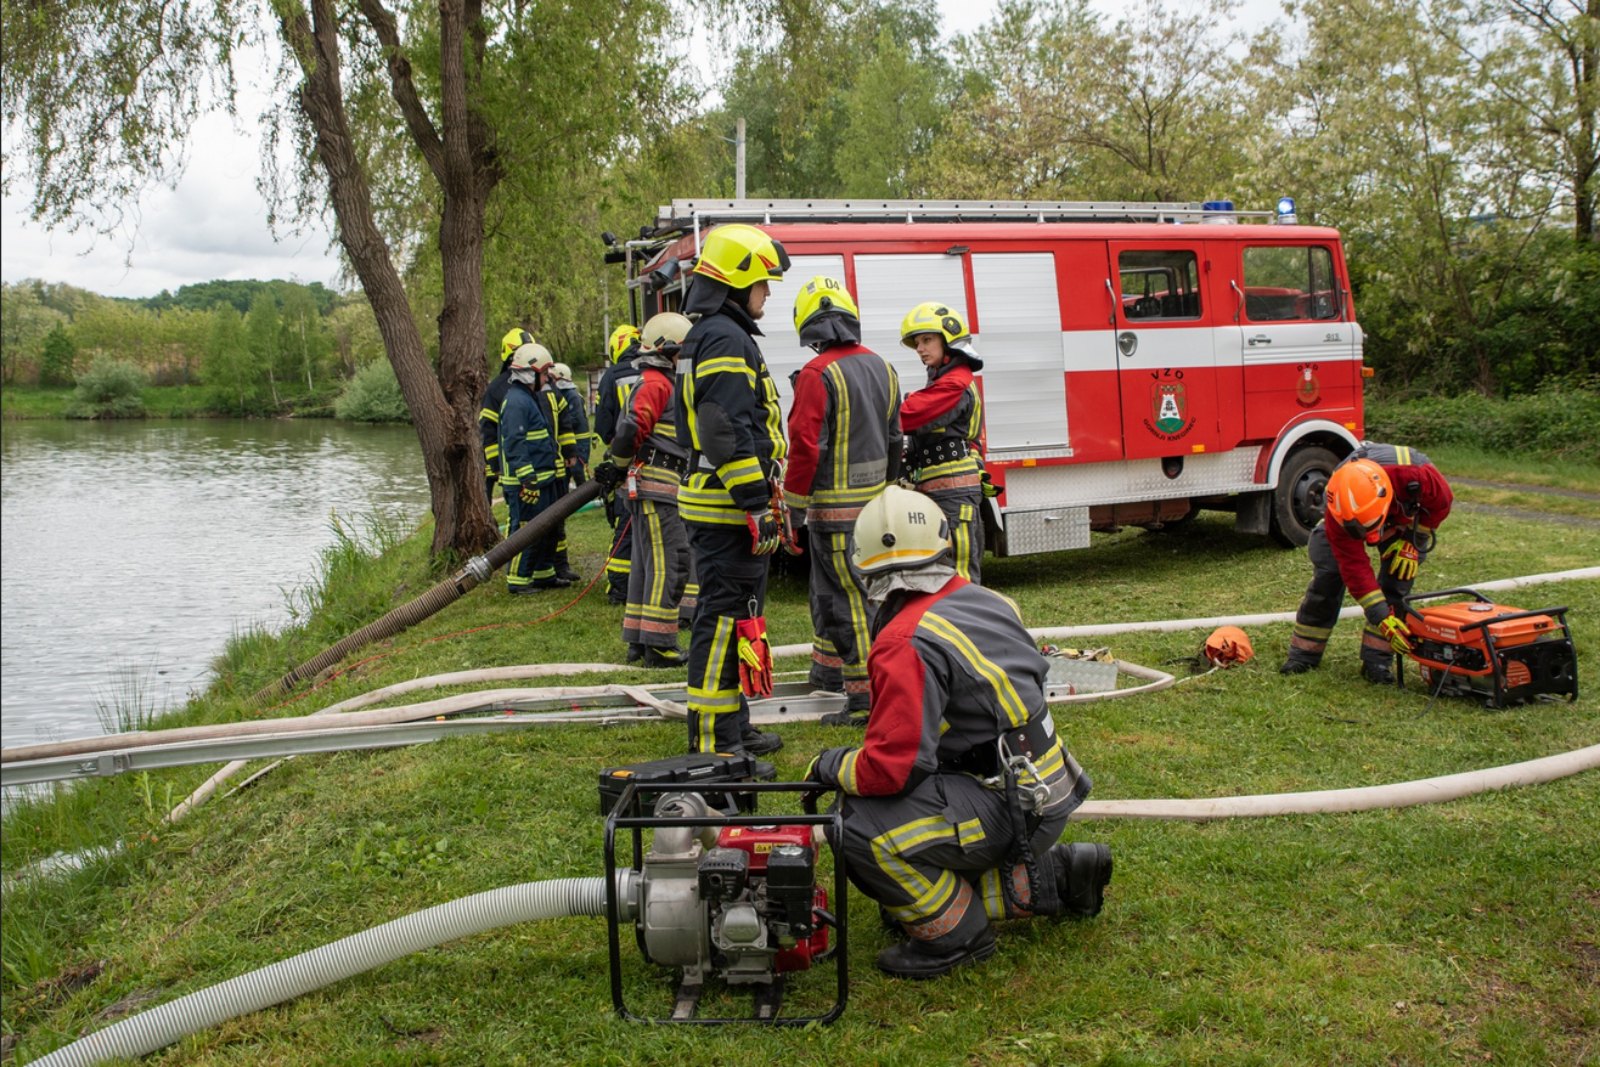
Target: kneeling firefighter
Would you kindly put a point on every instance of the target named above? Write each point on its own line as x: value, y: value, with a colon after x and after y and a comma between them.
x: 953, y: 803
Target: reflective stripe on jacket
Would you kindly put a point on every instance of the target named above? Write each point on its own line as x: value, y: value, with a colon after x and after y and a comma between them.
x: 646, y: 434
x: 844, y: 421
x: 611, y: 399
x: 527, y: 452
x: 489, y: 420
x: 945, y: 422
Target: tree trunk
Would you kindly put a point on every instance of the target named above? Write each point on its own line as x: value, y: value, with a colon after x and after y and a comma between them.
x: 450, y: 448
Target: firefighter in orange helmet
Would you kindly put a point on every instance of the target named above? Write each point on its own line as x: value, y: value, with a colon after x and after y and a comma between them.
x: 1388, y: 496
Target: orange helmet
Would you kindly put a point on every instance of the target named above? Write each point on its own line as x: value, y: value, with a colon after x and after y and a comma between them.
x: 1359, y: 495
x: 1226, y: 646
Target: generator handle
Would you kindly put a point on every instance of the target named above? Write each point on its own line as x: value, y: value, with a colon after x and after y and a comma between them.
x: 1559, y: 614
x: 1479, y: 597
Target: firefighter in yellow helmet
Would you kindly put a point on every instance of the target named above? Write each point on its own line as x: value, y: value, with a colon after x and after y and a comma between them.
x: 489, y: 410
x: 729, y: 422
x: 611, y: 400
x: 844, y: 447
x: 943, y: 422
x: 1388, y: 496
x: 953, y: 802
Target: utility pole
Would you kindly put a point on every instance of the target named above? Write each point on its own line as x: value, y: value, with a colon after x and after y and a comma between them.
x: 738, y: 163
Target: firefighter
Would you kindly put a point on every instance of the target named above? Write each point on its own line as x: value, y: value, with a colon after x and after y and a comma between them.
x: 1394, y: 498
x: 528, y: 460
x: 489, y: 412
x: 618, y: 381
x: 944, y: 422
x: 954, y: 801
x: 729, y: 421
x: 844, y: 447
x: 646, y: 441
x: 561, y: 377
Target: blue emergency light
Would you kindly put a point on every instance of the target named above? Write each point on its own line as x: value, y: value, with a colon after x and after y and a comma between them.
x: 1286, y: 215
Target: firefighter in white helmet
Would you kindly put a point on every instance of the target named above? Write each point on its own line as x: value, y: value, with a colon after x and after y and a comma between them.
x: 646, y: 443
x: 943, y: 422
x: 528, y: 462
x: 729, y: 421
x: 844, y: 447
x: 954, y: 801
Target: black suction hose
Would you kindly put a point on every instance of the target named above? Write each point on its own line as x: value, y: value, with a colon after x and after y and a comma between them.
x: 475, y: 573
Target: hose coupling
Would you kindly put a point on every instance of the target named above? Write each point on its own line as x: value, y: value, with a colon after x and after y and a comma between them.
x: 478, y: 567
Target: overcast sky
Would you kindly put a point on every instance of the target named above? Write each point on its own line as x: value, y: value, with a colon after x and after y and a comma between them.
x: 214, y: 224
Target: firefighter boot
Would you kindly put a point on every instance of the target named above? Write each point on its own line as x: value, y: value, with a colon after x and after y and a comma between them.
x: 1082, y: 871
x: 917, y: 959
x: 662, y: 657
x: 757, y: 743
x: 1377, y: 671
x: 1297, y: 663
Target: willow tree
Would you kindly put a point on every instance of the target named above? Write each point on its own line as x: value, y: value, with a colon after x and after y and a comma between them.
x: 391, y: 105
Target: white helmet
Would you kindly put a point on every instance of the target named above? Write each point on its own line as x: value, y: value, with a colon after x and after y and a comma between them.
x: 666, y: 330
x: 899, y: 529
x: 561, y: 372
x: 531, y: 356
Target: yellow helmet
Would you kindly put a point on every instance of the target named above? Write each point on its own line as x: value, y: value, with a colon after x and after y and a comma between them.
x: 739, y: 256
x: 822, y: 294
x: 899, y: 529
x: 621, y: 338
x: 664, y: 331
x: 513, y: 340
x: 932, y: 317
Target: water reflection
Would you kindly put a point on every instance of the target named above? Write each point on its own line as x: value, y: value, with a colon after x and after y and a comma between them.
x: 132, y: 551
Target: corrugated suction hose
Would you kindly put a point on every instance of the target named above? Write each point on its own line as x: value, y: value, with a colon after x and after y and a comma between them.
x: 150, y: 1030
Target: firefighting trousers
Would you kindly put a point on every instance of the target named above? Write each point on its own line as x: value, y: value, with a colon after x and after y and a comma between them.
x: 620, y: 559
x: 841, y: 620
x: 1319, y: 608
x: 558, y: 489
x: 936, y: 857
x: 732, y: 580
x: 961, y: 511
x: 658, y: 576
x: 537, y: 561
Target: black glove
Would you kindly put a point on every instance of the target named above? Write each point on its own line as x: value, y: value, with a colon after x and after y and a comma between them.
x: 609, y: 475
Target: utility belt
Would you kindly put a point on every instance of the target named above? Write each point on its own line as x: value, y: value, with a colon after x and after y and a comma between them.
x: 652, y: 455
x: 932, y: 451
x: 984, y: 761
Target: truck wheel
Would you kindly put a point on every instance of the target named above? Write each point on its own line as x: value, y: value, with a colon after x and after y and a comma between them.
x: 1297, y: 502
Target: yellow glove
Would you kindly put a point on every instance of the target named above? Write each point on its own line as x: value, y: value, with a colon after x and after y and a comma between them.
x: 1403, y: 560
x: 1396, y: 632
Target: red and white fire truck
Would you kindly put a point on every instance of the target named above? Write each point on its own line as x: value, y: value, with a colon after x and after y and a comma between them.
x: 1141, y: 361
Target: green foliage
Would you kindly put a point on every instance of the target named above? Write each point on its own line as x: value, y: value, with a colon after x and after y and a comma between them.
x: 109, y: 389
x: 1561, y: 420
x: 234, y: 378
x: 25, y: 321
x: 57, y: 356
x: 373, y: 395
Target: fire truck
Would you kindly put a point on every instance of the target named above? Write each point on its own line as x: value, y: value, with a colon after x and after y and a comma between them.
x: 1142, y: 361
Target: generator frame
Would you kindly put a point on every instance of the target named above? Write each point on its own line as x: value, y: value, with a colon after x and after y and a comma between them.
x: 1495, y: 654
x: 619, y: 819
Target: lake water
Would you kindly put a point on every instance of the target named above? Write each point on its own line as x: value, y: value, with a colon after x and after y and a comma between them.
x: 132, y: 551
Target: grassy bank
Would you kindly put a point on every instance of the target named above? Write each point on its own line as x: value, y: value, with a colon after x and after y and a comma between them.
x: 1461, y: 932
x: 160, y: 402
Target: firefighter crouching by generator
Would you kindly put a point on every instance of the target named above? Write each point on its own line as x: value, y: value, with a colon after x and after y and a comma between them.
x: 953, y: 803
x: 611, y: 398
x: 944, y: 421
x: 844, y: 447
x: 1389, y: 496
x: 646, y: 442
x: 528, y: 467
x: 730, y: 423
x: 489, y: 411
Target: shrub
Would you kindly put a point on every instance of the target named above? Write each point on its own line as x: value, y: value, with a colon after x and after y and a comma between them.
x: 109, y: 389
x: 1558, y: 420
x: 373, y: 395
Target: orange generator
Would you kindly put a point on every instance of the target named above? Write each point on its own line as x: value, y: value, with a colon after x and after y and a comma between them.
x: 1498, y: 654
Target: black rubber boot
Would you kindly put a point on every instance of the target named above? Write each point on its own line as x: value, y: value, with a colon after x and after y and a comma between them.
x: 1083, y: 870
x: 757, y: 743
x: 1376, y: 672
x: 662, y: 657
x: 566, y: 571
x: 858, y: 719
x: 914, y: 959
x: 1295, y: 666
x: 635, y: 653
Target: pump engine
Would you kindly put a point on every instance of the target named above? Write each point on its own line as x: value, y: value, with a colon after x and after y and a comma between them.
x: 720, y: 892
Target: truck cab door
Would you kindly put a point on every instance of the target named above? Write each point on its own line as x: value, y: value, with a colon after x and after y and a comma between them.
x: 1166, y: 357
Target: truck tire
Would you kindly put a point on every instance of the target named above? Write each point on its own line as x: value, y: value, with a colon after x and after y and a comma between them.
x: 1297, y: 502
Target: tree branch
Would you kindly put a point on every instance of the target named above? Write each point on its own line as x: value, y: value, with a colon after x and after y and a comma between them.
x: 403, y: 88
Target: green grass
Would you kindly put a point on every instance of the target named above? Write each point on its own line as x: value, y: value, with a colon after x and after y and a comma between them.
x: 160, y: 402
x: 1464, y: 932
x: 35, y: 401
